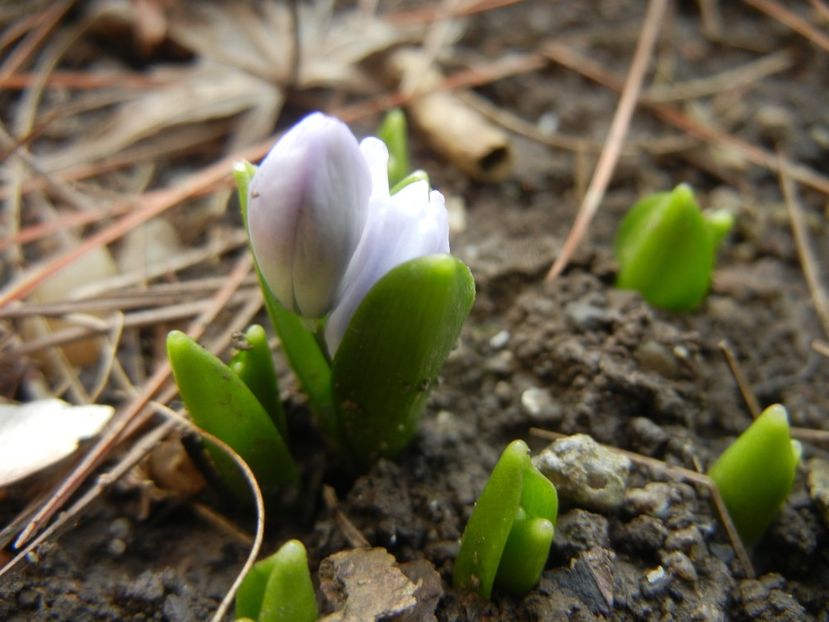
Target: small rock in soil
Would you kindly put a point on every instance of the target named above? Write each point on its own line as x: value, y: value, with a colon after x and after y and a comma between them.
x: 683, y: 539
x: 766, y: 599
x: 646, y: 436
x: 585, y: 472
x: 679, y: 565
x: 644, y: 534
x: 654, y: 499
x: 578, y: 531
x: 368, y: 586
x: 539, y: 404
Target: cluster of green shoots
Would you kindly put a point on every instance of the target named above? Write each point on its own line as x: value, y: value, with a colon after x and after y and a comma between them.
x: 366, y: 317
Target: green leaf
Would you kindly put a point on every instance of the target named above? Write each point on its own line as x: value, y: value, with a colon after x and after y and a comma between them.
x: 488, y: 529
x: 507, y: 539
x: 393, y: 349
x: 417, y: 175
x: 253, y: 363
x: 756, y: 473
x: 279, y: 588
x: 392, y: 131
x: 666, y: 250
x: 306, y: 357
x: 525, y: 554
x: 222, y: 404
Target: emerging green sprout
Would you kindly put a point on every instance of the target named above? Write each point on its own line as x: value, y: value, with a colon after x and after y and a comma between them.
x: 392, y: 131
x: 508, y: 536
x: 220, y: 402
x: 278, y: 588
x: 755, y: 474
x: 666, y: 248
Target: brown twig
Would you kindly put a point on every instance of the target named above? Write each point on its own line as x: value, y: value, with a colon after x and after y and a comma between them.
x: 740, y: 378
x: 24, y: 51
x: 684, y: 474
x: 616, y: 136
x: 821, y: 9
x: 792, y: 20
x: 738, y: 77
x: 136, y: 453
x: 97, y: 326
x: 150, y: 205
x: 432, y: 13
x: 259, y: 503
x: 134, y: 414
x: 82, y: 80
x: 475, y: 76
x: 805, y: 250
x: 582, y: 64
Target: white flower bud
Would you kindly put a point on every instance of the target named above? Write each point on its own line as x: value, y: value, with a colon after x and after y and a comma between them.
x: 307, y: 210
x: 412, y: 223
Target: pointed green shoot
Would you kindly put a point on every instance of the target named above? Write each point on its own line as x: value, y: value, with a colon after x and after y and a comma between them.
x: 221, y: 403
x: 392, y: 131
x: 507, y: 539
x: 279, y: 588
x: 417, y: 175
x: 304, y: 354
x: 253, y: 363
x: 393, y: 350
x: 666, y: 249
x: 756, y: 473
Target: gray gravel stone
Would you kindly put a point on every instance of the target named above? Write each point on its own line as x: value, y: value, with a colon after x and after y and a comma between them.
x: 588, y: 474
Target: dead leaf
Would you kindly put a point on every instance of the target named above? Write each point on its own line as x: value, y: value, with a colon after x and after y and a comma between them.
x: 38, y: 434
x: 367, y: 585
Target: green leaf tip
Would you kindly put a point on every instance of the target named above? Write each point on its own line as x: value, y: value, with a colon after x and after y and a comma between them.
x: 221, y: 403
x: 755, y: 474
x: 666, y: 248
x: 430, y: 298
x: 279, y: 588
x: 508, y: 537
x: 415, y: 176
x: 253, y: 363
x: 393, y: 132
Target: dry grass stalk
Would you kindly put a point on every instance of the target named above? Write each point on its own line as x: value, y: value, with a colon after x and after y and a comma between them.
x: 134, y: 414
x: 582, y: 64
x: 808, y: 260
x: 616, y: 136
x: 791, y: 19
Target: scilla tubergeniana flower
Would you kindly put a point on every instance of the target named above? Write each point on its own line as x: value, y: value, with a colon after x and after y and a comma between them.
x: 308, y: 206
x: 324, y: 226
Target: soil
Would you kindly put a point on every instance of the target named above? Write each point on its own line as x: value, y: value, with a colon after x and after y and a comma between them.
x: 573, y: 356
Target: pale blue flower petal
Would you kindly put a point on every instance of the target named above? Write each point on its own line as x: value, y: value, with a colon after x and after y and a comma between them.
x: 307, y: 209
x: 412, y: 223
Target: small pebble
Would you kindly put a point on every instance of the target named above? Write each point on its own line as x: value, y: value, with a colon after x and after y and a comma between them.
x: 683, y: 539
x: 653, y: 356
x: 585, y: 472
x: 587, y: 316
x: 499, y: 340
x: 678, y: 563
x: 503, y: 391
x: 502, y: 363
x: 654, y: 499
x: 538, y: 403
x: 656, y: 582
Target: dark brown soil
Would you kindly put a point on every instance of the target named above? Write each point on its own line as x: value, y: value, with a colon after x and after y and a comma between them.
x: 573, y: 356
